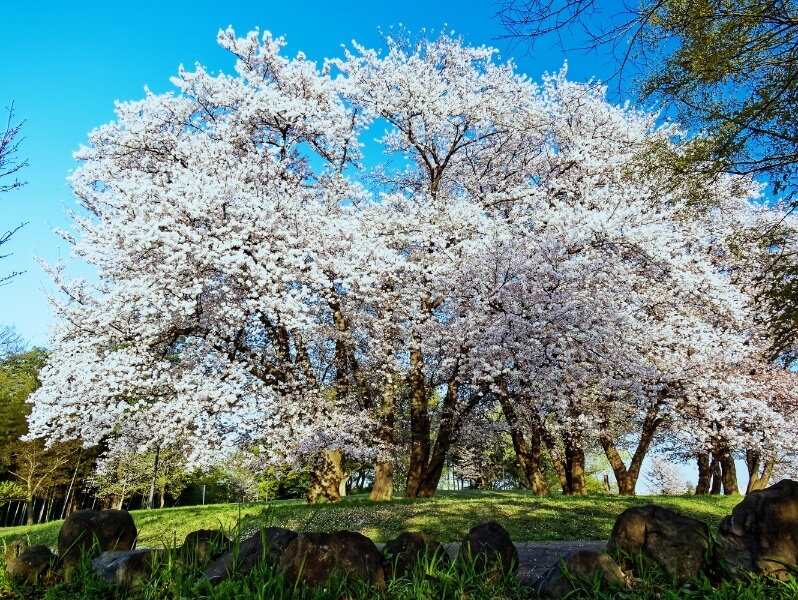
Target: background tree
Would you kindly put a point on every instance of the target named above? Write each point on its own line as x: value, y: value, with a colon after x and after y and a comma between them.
x: 18, y: 378
x: 9, y: 166
x: 724, y: 69
x: 38, y: 469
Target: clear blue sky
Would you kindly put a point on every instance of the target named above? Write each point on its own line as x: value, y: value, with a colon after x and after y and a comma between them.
x: 64, y: 64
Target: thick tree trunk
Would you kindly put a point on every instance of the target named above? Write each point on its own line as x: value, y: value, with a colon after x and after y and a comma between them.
x: 704, y: 474
x: 728, y: 474
x: 326, y: 477
x: 419, y: 421
x: 528, y: 454
x: 627, y: 477
x: 757, y: 480
x: 575, y: 468
x: 383, y: 481
x: 426, y: 465
x: 383, y: 468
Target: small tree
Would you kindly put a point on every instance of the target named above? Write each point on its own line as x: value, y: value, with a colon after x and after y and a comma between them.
x: 662, y: 477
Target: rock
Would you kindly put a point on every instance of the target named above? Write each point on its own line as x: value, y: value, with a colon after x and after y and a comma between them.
x: 575, y: 567
x: 762, y: 532
x: 204, y: 545
x: 15, y: 548
x: 404, y: 552
x: 676, y: 543
x: 490, y: 549
x: 265, y: 546
x: 89, y: 532
x: 315, y: 557
x: 30, y: 565
x: 129, y: 569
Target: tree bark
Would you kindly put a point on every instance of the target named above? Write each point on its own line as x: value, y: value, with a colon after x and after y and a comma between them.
x: 575, y: 467
x: 728, y: 473
x: 704, y: 474
x: 383, y: 467
x: 426, y: 464
x: 326, y: 477
x: 528, y: 455
x: 757, y: 480
x: 419, y: 420
x: 383, y: 481
x: 29, y: 508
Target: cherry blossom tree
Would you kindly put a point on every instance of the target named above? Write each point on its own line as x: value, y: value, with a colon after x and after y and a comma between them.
x: 259, y: 289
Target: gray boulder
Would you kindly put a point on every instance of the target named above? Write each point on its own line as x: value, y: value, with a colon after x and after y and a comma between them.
x: 404, y: 552
x: 490, y: 549
x: 761, y: 534
x: 676, y: 543
x: 31, y: 565
x: 576, y: 568
x: 89, y: 532
x: 129, y: 569
x: 266, y: 546
x: 203, y: 545
x: 314, y: 558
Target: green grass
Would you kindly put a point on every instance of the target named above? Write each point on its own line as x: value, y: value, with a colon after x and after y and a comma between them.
x: 447, y: 517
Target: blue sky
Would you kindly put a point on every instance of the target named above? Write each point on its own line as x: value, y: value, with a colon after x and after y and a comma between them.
x: 65, y: 64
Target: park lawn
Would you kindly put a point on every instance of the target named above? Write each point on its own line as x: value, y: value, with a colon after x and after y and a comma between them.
x: 447, y: 517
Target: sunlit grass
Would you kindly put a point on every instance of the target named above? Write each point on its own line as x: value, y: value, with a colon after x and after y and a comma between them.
x: 447, y: 517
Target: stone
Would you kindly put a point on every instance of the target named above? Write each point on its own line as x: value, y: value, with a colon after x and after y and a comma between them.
x: 129, y: 569
x: 89, y: 532
x: 761, y: 534
x: 31, y: 565
x: 490, y: 549
x: 15, y: 548
x: 673, y: 542
x: 266, y: 546
x: 314, y: 558
x: 404, y: 552
x: 204, y: 545
x: 575, y: 568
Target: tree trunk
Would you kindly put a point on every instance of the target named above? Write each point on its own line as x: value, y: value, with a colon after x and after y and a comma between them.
x: 728, y: 474
x: 29, y: 508
x: 419, y: 420
x: 575, y: 467
x: 383, y: 481
x: 627, y: 478
x: 528, y: 456
x: 757, y: 480
x: 704, y: 474
x: 383, y: 467
x: 556, y: 458
x: 427, y: 461
x: 326, y: 477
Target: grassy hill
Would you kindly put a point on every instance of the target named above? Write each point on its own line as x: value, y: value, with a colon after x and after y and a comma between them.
x: 447, y: 517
